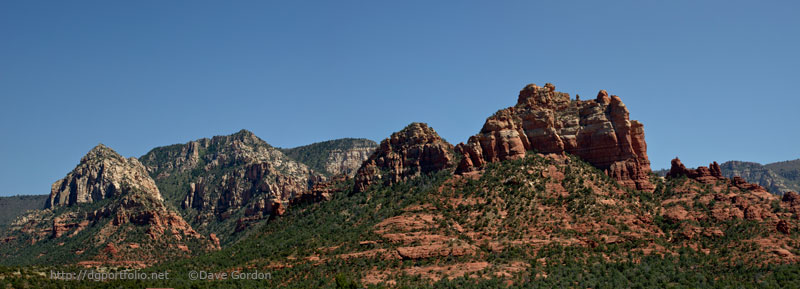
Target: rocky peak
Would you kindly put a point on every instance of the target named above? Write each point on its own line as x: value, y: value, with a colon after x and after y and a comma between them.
x: 416, y: 149
x: 544, y: 120
x: 131, y: 205
x: 240, y: 148
x: 602, y: 97
x: 534, y: 96
x: 711, y: 173
x: 99, y: 153
x: 102, y: 173
x: 246, y: 137
x: 225, y: 175
x: 414, y: 134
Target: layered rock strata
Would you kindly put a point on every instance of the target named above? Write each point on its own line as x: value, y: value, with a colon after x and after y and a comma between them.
x: 417, y: 149
x: 101, y: 174
x: 229, y: 180
x: 334, y: 157
x: 773, y: 181
x: 599, y: 131
x: 709, y: 175
x: 346, y: 162
x: 730, y: 199
x: 113, y: 202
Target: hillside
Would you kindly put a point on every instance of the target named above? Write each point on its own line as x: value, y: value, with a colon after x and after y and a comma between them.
x: 551, y: 193
x: 540, y: 221
x: 106, y: 211
x: 333, y: 157
x: 774, y: 181
x: 777, y: 178
x: 789, y: 170
x: 14, y: 206
x: 227, y: 184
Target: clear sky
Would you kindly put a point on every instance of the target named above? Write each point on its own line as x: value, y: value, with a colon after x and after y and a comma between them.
x: 710, y: 80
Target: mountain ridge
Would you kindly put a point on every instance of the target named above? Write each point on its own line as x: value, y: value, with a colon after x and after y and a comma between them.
x: 547, y: 188
x: 333, y: 157
x: 107, y: 210
x: 777, y: 178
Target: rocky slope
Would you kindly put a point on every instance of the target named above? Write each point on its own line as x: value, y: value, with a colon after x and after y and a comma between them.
x: 561, y: 217
x: 101, y: 175
x: 14, y: 206
x: 106, y: 211
x: 415, y: 150
x: 227, y: 183
x: 789, y: 170
x: 544, y: 120
x: 531, y: 221
x: 760, y: 174
x: 705, y: 202
x: 778, y: 178
x: 334, y: 157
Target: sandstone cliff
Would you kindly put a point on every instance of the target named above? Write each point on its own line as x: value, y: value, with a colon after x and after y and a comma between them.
x: 106, y: 211
x: 546, y: 121
x: 709, y: 175
x: 416, y: 149
x: 101, y: 174
x: 334, y: 157
x: 347, y: 162
x: 227, y: 181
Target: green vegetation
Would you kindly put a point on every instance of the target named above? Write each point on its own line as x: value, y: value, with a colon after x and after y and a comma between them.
x: 777, y: 177
x: 218, y: 158
x: 316, y: 155
x: 510, y: 201
x: 790, y: 170
x: 14, y: 206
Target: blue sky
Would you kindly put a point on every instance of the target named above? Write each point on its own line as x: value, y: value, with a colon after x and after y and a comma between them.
x: 710, y: 80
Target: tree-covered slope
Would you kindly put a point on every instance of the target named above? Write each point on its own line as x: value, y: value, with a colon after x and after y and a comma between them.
x: 14, y: 206
x: 789, y: 170
x: 536, y: 222
x: 339, y: 156
x: 226, y: 184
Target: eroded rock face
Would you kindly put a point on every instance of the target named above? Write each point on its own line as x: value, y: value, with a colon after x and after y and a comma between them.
x: 706, y: 175
x: 416, y: 149
x: 227, y: 175
x: 133, y: 205
x: 334, y: 157
x: 709, y: 175
x: 599, y: 131
x: 101, y: 174
x: 756, y: 173
x: 347, y: 162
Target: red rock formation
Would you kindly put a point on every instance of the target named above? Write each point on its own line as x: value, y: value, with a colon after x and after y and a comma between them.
x: 131, y: 204
x: 101, y: 174
x: 599, y: 131
x: 792, y: 203
x: 783, y: 227
x: 214, y: 240
x: 415, y: 150
x: 706, y: 175
x: 321, y: 191
x: 791, y: 197
x: 709, y: 175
